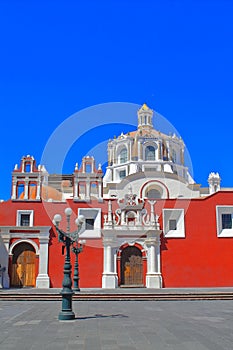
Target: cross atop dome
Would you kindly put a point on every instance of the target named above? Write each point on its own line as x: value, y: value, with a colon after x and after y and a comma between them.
x: 145, y: 115
x: 144, y: 107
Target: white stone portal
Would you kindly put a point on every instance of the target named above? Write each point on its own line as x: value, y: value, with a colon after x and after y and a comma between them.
x: 35, y: 232
x: 131, y: 224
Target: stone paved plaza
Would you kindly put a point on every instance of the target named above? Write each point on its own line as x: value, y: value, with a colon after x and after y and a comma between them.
x: 118, y: 325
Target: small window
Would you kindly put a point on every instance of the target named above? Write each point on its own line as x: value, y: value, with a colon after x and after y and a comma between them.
x: 226, y: 221
x: 92, y: 227
x: 224, y: 216
x: 150, y: 153
x: 123, y: 156
x: 122, y: 174
x: 174, y: 156
x: 172, y: 224
x: 90, y: 224
x: 153, y: 193
x: 25, y: 220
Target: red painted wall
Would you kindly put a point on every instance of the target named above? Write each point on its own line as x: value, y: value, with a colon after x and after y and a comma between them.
x: 201, y: 259
x: 91, y: 258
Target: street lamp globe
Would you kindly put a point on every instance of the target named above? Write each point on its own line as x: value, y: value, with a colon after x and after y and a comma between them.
x: 68, y: 211
x: 80, y: 220
x: 57, y: 219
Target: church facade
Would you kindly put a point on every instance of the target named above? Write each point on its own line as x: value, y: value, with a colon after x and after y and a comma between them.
x: 147, y: 223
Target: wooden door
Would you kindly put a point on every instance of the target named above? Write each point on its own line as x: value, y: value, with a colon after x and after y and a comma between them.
x: 131, y: 267
x: 23, y: 266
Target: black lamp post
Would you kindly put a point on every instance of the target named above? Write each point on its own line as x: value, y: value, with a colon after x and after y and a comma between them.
x: 67, y: 239
x: 77, y: 249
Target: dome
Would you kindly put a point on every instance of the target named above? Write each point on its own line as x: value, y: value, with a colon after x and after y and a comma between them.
x: 48, y: 193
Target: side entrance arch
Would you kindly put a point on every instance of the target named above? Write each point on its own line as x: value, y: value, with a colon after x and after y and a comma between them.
x: 131, y: 267
x: 23, y: 271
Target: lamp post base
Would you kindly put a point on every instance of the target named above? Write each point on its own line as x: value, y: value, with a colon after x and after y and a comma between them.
x: 66, y: 312
x: 66, y: 315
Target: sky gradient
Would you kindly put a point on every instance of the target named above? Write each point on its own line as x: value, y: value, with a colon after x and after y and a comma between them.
x: 60, y: 57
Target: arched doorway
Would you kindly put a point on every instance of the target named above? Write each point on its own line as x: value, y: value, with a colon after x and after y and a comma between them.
x: 131, y: 267
x: 23, y: 272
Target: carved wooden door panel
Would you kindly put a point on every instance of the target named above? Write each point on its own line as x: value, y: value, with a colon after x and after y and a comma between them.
x: 133, y: 270
x: 23, y: 266
x: 131, y: 267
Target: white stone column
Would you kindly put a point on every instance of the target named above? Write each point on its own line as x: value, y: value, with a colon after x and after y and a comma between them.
x: 139, y: 150
x: 42, y: 280
x: 108, y: 256
x: 100, y: 196
x: 87, y: 190
x: 115, y: 262
x: 109, y: 276
x: 160, y: 150
x: 38, y: 189
x: 26, y: 183
x: 130, y: 151
x: 152, y: 259
x: 123, y: 218
x: 4, y: 252
x: 114, y: 159
x: 153, y: 275
x: 158, y: 260
x: 169, y: 153
x: 182, y: 156
x: 75, y: 188
x: 14, y: 183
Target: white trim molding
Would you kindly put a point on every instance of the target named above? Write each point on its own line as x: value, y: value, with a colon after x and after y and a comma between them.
x: 220, y: 211
x: 173, y: 223
x: 35, y: 246
x: 95, y: 214
x: 27, y: 212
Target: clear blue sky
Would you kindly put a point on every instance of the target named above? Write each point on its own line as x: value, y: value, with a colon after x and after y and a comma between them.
x: 59, y: 57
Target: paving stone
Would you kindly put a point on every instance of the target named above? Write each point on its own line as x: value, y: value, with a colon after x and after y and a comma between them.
x: 125, y: 325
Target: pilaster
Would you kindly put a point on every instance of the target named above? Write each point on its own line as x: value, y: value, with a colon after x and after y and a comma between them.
x: 153, y: 275
x: 42, y: 280
x: 109, y: 276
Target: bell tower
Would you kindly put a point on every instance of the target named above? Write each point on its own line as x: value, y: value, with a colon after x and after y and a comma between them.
x: 27, y: 180
x: 214, y: 182
x: 88, y: 181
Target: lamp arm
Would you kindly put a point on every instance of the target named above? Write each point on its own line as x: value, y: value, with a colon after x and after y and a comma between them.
x: 76, y: 250
x: 61, y: 234
x: 74, y: 235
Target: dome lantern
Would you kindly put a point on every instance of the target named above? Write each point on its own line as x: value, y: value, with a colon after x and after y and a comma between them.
x: 145, y: 115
